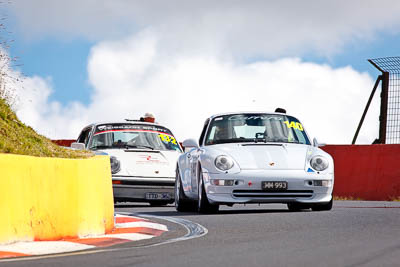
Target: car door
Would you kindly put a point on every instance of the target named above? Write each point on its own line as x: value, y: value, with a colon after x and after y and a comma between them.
x: 193, y: 161
x: 195, y: 158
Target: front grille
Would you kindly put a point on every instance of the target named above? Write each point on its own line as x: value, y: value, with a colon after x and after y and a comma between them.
x: 273, y: 194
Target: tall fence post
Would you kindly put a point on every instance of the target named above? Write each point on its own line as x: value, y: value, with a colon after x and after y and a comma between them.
x: 384, y: 108
x: 366, y: 109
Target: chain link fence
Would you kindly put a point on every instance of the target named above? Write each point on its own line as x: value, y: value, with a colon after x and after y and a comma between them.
x: 390, y: 68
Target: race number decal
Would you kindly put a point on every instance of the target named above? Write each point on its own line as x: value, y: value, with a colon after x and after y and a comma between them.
x: 294, y: 125
x: 167, y: 138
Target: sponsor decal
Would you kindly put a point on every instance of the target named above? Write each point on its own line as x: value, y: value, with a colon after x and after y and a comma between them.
x: 255, y: 117
x: 131, y: 127
x: 151, y: 159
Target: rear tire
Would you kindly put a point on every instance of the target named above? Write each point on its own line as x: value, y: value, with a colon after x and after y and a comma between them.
x: 323, y: 207
x: 203, y: 205
x: 182, y: 204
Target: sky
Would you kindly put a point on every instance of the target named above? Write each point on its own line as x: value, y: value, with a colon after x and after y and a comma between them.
x: 86, y: 61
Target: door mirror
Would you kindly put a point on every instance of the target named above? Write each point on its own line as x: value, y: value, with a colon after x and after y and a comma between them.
x: 78, y: 146
x: 190, y: 143
x: 316, y: 144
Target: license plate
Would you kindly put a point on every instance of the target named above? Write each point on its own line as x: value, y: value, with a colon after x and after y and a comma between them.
x: 274, y: 185
x: 158, y: 195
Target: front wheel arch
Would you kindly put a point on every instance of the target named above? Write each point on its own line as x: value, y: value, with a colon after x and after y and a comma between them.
x: 203, y: 204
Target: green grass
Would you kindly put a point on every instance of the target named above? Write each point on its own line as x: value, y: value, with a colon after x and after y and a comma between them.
x: 347, y: 198
x: 17, y: 138
x: 396, y: 199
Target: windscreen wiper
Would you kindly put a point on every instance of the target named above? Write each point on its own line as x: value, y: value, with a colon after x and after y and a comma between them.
x: 138, y: 146
x: 100, y: 147
x: 231, y: 140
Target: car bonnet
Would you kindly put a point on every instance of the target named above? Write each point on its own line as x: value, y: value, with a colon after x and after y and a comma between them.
x: 145, y: 163
x: 271, y: 156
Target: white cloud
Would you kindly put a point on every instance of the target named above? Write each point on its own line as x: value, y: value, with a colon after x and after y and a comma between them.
x: 136, y: 75
x: 49, y: 118
x: 185, y: 60
x: 244, y: 29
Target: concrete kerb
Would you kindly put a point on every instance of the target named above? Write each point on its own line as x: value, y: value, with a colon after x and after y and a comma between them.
x: 127, y: 229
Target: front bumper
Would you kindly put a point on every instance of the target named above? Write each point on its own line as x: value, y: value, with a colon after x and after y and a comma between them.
x: 302, y: 187
x: 128, y: 188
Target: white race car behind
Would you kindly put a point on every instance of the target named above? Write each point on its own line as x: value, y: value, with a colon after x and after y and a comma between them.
x: 143, y: 158
x: 253, y: 158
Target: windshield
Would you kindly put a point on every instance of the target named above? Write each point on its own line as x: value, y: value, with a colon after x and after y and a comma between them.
x: 256, y: 128
x: 133, y: 136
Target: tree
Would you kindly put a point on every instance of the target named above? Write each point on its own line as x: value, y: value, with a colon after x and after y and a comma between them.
x: 9, y: 79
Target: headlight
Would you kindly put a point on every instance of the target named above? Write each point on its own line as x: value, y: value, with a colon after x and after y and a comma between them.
x: 115, y: 165
x: 319, y: 163
x: 223, y: 163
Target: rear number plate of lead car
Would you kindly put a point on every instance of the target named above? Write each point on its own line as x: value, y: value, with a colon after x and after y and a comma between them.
x: 158, y: 195
x: 274, y: 185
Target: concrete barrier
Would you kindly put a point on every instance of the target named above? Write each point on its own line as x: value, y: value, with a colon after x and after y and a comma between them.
x: 54, y: 198
x: 367, y: 172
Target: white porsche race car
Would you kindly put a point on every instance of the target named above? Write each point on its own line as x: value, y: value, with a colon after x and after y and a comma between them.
x: 143, y: 158
x: 253, y: 158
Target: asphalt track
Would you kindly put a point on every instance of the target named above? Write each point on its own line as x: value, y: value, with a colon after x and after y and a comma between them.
x: 352, y: 234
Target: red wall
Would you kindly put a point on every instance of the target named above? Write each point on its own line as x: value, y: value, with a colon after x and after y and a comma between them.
x: 368, y: 172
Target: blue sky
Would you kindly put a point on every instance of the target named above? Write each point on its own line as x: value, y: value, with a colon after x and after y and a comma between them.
x: 81, y: 56
x: 52, y: 57
x: 55, y: 58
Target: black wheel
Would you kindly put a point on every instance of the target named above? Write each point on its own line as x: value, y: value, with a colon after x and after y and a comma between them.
x: 297, y: 206
x: 322, y: 207
x: 181, y: 202
x: 203, y: 205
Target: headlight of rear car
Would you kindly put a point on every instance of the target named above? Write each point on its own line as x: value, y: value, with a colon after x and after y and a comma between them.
x: 224, y: 163
x: 319, y: 163
x: 115, y: 165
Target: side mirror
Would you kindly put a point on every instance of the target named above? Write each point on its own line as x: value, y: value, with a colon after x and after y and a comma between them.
x: 316, y: 144
x: 78, y: 146
x: 190, y: 143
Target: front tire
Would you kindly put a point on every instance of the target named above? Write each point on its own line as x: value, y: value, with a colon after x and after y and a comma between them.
x: 203, y: 205
x: 182, y: 204
x: 323, y: 207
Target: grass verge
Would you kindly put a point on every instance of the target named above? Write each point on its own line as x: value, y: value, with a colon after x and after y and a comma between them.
x: 347, y: 198
x: 17, y: 138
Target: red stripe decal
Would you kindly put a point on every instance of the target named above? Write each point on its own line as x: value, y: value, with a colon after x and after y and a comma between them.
x: 131, y: 130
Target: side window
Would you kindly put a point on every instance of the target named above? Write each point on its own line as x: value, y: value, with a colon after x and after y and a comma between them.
x: 84, y: 136
x: 203, y: 132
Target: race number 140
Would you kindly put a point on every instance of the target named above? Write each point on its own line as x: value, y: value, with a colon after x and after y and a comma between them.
x: 294, y: 125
